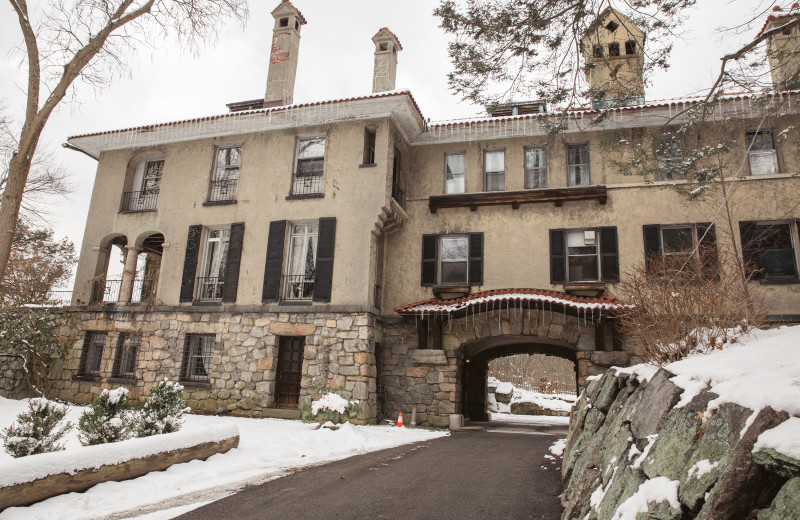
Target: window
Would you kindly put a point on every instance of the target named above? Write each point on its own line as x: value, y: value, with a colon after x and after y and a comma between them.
x: 768, y: 250
x: 454, y: 172
x: 535, y: 168
x: 92, y: 354
x: 211, y: 265
x: 369, y: 146
x: 612, y: 26
x: 597, y: 51
x: 762, y: 153
x: 397, y: 166
x: 146, y: 186
x: 225, y: 182
x: 613, y: 49
x: 672, y: 245
x: 215, y: 256
x: 301, y: 262
x: 305, y: 272
x: 452, y: 259
x: 126, y: 356
x: 630, y: 47
x: 308, y: 168
x: 578, y: 165
x: 584, y: 255
x: 669, y: 158
x: 494, y: 166
x: 197, y: 354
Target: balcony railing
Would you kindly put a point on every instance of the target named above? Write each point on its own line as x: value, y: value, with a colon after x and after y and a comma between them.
x: 398, y: 195
x: 223, y: 190
x: 108, y: 291
x: 209, y: 288
x: 298, y: 287
x: 59, y: 297
x: 307, y: 184
x: 140, y: 200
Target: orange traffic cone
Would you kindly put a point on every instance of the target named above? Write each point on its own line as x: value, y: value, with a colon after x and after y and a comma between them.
x: 400, y: 420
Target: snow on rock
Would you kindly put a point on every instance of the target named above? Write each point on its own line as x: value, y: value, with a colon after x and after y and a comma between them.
x: 701, y: 467
x: 784, y: 438
x: 34, y: 467
x: 330, y: 401
x: 758, y: 370
x: 657, y: 490
x: 504, y: 387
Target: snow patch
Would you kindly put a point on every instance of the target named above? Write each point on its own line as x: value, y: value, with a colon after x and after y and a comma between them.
x: 784, y: 438
x: 557, y: 448
x: 651, y: 440
x: 701, y: 467
x: 657, y: 490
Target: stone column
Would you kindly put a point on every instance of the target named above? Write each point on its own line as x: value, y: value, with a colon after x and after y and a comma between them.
x: 128, y: 274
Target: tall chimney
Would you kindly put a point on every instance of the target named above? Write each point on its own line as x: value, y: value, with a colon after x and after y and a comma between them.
x: 783, y: 48
x: 283, y: 56
x: 386, y: 48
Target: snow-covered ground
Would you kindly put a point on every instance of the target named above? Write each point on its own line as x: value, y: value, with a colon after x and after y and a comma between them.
x: 557, y: 402
x: 268, y: 448
x: 532, y: 420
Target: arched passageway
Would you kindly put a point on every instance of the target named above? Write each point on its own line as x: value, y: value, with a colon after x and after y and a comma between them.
x: 476, y: 368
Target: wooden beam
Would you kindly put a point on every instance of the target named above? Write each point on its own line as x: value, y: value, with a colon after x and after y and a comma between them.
x: 515, y: 198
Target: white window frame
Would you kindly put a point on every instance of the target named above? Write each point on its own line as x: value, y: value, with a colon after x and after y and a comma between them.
x: 308, y: 183
x: 498, y: 173
x: 692, y: 247
x: 574, y: 168
x: 442, y: 261
x: 210, y: 267
x: 596, y: 254
x: 535, y: 177
x: 451, y: 178
x: 762, y: 158
x: 300, y: 285
x: 225, y: 179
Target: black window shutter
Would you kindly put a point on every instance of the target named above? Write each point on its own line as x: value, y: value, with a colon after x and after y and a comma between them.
x: 750, y: 253
x: 232, y: 265
x: 652, y: 245
x: 190, y: 263
x: 429, y: 254
x: 272, y: 268
x: 558, y: 257
x: 609, y: 257
x: 326, y: 242
x: 476, y: 258
x: 707, y: 249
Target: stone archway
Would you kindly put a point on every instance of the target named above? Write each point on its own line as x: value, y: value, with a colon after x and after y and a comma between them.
x: 428, y: 357
x: 477, y: 356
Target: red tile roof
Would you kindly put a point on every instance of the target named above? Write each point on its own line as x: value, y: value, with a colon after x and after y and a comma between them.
x: 436, y: 306
x: 772, y: 17
x: 390, y: 32
x: 299, y: 14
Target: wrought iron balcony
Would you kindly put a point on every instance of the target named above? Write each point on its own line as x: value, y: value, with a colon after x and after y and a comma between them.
x: 224, y: 190
x: 106, y: 291
x: 209, y: 288
x: 398, y: 195
x: 298, y: 287
x: 136, y: 201
x: 307, y: 184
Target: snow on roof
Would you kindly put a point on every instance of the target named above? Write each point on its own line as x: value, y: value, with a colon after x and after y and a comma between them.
x: 773, y: 17
x: 439, y: 306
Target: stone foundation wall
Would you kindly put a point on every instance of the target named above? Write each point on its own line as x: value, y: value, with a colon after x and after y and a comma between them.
x: 12, y: 380
x: 339, y: 354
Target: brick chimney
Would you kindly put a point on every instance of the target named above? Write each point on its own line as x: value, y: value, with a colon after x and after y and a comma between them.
x: 283, y: 55
x: 783, y: 48
x: 386, y: 48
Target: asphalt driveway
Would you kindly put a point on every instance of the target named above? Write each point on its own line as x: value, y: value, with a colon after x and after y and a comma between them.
x: 491, y: 471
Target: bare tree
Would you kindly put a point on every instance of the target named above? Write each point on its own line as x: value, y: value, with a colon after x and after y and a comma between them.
x: 88, y: 40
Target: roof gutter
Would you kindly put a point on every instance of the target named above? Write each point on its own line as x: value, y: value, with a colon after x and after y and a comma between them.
x: 84, y: 152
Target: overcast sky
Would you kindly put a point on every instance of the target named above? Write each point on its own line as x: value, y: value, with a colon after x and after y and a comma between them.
x: 336, y: 59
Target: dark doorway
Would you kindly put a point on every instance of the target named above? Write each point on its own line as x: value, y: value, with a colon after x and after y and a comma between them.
x: 290, y: 371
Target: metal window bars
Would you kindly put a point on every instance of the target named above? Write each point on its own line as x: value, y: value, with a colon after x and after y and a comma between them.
x: 126, y: 356
x: 298, y: 287
x: 137, y: 201
x: 307, y: 184
x: 224, y: 190
x: 92, y: 354
x: 209, y: 288
x: 197, y: 357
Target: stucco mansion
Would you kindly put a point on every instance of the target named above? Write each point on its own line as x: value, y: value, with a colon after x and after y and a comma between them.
x: 282, y: 249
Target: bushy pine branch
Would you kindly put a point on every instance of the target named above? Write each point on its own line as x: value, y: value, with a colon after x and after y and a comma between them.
x: 109, y: 419
x: 163, y: 410
x: 37, y: 430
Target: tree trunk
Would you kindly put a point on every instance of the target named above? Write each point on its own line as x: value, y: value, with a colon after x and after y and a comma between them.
x: 18, y: 170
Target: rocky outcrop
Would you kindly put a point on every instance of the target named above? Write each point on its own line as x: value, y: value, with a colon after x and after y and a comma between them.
x: 629, y: 443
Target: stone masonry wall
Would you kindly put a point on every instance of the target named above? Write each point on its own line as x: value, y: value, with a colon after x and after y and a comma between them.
x: 431, y: 380
x: 339, y: 354
x: 12, y: 381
